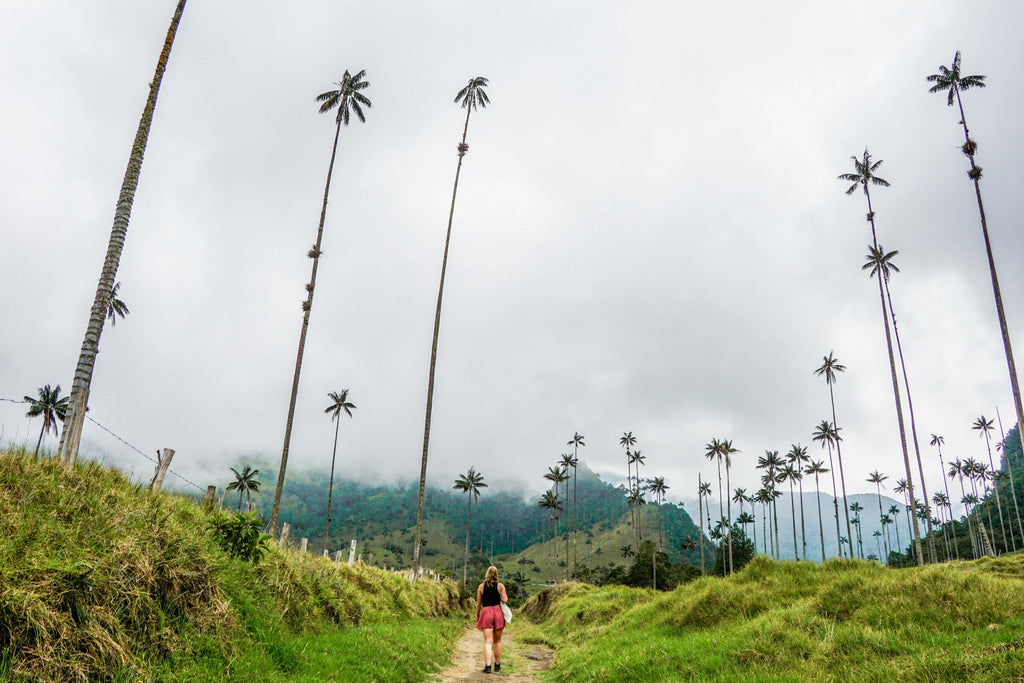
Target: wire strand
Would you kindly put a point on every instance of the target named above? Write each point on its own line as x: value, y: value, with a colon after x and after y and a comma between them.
x: 126, y: 443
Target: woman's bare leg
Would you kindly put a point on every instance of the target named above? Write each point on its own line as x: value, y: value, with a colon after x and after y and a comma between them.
x: 489, y: 646
x: 497, y: 645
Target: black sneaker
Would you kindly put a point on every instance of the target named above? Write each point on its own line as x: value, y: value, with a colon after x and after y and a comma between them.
x: 487, y: 669
x: 497, y: 667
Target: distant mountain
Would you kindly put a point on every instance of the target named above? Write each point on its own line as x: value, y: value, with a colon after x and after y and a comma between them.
x: 381, y: 519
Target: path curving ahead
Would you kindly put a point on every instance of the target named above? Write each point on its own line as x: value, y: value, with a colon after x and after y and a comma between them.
x: 519, y: 663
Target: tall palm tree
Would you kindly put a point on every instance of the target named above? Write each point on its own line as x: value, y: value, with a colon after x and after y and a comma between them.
x: 79, y: 398
x: 1001, y: 447
x: 798, y: 457
x: 894, y: 513
x: 245, y: 483
x: 817, y: 467
x: 958, y: 469
x: 857, y: 508
x: 826, y: 435
x: 886, y: 521
x: 469, y: 483
x: 950, y: 80
x: 346, y: 98
x: 470, y: 97
x: 938, y: 441
x: 567, y: 462
x: 941, y: 501
x: 339, y: 404
x: 901, y: 488
x: 830, y: 369
x: 115, y: 307
x: 878, y: 259
x: 627, y: 441
x: 703, y: 490
x: 763, y: 496
x: 877, y: 478
x: 790, y: 473
x: 52, y: 408
x: 550, y: 502
x: 576, y: 441
x: 984, y: 425
x: 772, y: 463
x: 659, y: 488
x: 638, y: 498
x: 727, y: 450
x: 863, y: 176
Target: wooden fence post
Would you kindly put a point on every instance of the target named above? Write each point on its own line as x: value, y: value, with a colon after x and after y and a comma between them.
x: 163, y: 461
x: 352, y: 553
x: 285, y: 529
x: 208, y: 499
x: 337, y: 558
x: 303, y: 545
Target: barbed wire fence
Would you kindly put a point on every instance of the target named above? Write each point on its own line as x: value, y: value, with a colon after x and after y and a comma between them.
x: 126, y: 443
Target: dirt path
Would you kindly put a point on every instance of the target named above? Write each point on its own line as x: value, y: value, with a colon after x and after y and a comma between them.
x: 519, y: 663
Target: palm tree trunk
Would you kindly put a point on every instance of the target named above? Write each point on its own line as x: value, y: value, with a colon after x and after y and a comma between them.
x: 995, y: 485
x: 40, y: 441
x: 896, y: 391
x: 835, y: 503
x: 842, y: 477
x: 575, y: 516
x: 913, y: 430
x: 803, y: 528
x: 79, y: 397
x: 792, y: 505
x: 775, y: 515
x: 330, y: 485
x: 465, y: 558
x: 945, y: 483
x: 821, y: 527
x: 1013, y: 487
x: 433, y: 357
x: 307, y: 307
x: 1007, y: 347
x: 700, y: 517
x: 728, y: 507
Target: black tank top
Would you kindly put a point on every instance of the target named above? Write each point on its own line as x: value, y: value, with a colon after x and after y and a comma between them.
x: 491, y: 595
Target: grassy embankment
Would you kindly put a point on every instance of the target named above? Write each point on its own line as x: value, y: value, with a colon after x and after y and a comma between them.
x: 843, y: 621
x: 102, y: 581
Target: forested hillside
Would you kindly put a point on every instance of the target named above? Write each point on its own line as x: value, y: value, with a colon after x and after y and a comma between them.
x: 381, y: 518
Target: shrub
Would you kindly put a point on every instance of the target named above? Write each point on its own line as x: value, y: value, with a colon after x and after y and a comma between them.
x: 241, y: 535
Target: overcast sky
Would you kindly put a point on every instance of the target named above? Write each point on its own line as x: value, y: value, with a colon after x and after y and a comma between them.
x: 649, y: 234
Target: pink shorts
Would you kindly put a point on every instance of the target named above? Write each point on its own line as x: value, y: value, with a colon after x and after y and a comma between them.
x: 491, y: 617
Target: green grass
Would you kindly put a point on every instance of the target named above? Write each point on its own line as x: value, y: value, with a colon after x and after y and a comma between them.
x: 101, y: 580
x: 843, y: 621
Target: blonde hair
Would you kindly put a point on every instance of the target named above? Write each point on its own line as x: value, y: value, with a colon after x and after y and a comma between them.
x: 492, y: 575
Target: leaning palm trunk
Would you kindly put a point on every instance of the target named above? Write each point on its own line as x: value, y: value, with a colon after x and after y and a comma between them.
x: 969, y: 149
x: 79, y: 398
x: 913, y: 430
x: 1009, y: 471
x: 463, y: 148
x: 307, y: 306
x: 896, y: 392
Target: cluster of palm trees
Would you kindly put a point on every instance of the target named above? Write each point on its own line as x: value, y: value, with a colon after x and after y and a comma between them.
x: 555, y: 505
x: 979, y: 483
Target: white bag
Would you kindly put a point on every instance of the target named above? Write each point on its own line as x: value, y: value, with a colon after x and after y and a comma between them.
x: 507, y: 613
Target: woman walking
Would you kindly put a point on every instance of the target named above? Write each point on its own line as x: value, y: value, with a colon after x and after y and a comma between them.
x: 490, y: 596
